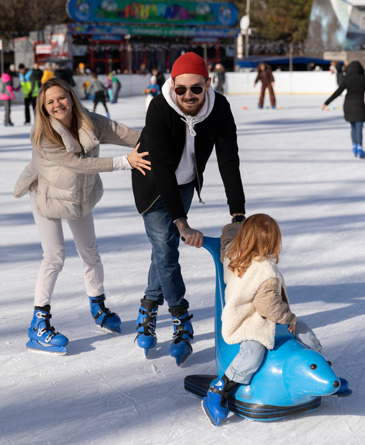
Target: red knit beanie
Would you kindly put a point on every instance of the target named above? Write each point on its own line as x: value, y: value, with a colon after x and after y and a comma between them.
x: 189, y: 63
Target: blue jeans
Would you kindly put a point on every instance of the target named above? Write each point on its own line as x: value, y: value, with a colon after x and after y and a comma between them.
x: 165, y: 281
x: 356, y: 132
x: 251, y: 354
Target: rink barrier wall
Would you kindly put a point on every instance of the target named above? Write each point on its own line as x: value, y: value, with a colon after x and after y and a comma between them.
x: 296, y: 82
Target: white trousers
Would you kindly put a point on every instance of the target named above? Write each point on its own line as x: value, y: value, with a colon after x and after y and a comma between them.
x: 53, y: 245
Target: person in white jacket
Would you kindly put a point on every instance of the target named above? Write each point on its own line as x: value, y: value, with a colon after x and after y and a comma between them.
x: 64, y: 183
x: 256, y: 300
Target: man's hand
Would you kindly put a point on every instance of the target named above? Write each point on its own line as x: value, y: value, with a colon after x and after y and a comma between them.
x: 191, y: 236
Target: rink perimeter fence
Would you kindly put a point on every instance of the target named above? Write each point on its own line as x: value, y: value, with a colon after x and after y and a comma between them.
x: 286, y: 82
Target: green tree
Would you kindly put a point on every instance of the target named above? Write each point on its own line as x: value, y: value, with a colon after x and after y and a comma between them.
x: 278, y: 20
x: 19, y: 17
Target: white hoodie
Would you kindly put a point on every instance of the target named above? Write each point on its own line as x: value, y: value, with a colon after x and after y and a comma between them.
x: 185, y: 171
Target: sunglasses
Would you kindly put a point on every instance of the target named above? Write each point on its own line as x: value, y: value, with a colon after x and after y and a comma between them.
x: 182, y: 90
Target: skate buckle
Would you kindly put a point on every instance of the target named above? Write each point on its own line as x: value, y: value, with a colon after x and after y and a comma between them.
x: 43, y: 315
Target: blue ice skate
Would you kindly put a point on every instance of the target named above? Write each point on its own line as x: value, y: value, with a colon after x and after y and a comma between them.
x: 146, y: 325
x: 180, y: 347
x: 103, y: 316
x: 291, y: 379
x: 213, y: 409
x: 215, y: 403
x: 42, y: 336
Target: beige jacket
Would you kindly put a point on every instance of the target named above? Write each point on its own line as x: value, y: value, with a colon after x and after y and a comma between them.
x: 66, y: 177
x: 255, y: 302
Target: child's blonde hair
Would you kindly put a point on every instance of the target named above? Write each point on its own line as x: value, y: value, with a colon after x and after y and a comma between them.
x: 43, y: 127
x: 258, y: 238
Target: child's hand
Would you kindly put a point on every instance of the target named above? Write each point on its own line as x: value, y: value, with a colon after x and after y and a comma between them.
x: 291, y: 329
x: 136, y: 160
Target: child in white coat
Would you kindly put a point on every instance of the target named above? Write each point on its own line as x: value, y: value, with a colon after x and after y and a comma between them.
x: 256, y: 299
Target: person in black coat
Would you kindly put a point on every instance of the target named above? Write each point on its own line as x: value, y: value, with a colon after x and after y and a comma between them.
x: 353, y: 107
x: 35, y: 79
x: 65, y: 74
x: 183, y: 124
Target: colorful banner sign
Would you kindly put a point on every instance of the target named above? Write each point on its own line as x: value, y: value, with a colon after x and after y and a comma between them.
x: 167, y: 12
x: 182, y: 31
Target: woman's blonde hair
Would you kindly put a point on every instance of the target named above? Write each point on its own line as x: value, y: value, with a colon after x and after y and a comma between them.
x: 258, y: 238
x: 43, y: 128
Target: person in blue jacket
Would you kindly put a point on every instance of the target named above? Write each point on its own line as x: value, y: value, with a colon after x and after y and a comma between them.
x: 152, y: 90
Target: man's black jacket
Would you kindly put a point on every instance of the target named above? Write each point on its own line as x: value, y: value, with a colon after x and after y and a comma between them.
x: 164, y: 138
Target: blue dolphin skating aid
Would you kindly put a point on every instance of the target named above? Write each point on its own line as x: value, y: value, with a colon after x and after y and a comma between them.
x: 291, y: 379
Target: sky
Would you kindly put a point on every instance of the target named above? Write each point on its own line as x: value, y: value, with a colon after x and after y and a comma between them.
x: 297, y: 166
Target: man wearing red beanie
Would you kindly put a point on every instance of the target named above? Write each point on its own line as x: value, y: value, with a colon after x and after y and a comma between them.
x: 183, y: 124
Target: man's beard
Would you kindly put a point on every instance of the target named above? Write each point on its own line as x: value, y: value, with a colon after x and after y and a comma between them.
x: 190, y: 112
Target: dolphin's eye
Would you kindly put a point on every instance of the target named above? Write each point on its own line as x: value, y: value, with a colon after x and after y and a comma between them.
x: 313, y: 366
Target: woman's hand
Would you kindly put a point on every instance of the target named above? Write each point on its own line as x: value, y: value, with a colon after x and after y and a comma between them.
x: 323, y: 107
x: 136, y: 160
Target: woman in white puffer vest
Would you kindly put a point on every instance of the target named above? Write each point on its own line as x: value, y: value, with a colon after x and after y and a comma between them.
x: 64, y: 183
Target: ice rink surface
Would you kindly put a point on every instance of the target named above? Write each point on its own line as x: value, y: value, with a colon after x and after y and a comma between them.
x: 297, y: 166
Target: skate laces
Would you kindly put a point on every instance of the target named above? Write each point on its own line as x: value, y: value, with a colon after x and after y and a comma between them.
x: 180, y: 331
x: 48, y: 328
x: 148, y: 324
